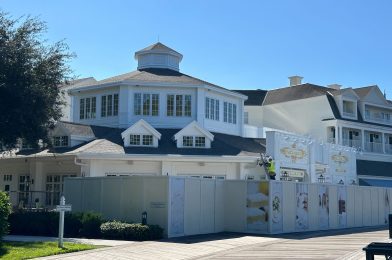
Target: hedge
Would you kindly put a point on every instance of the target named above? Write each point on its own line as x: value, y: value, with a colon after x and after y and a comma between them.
x: 5, y: 210
x: 85, y: 224
x: 126, y: 231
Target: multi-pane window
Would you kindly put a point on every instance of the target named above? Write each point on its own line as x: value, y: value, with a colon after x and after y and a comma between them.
x: 193, y: 141
x: 187, y: 141
x: 137, y: 104
x: 109, y: 105
x: 200, y: 141
x: 54, y: 187
x: 7, y: 177
x: 88, y: 108
x: 246, y: 118
x: 155, y: 105
x: 147, y: 140
x: 188, y: 105
x: 134, y: 140
x: 179, y: 105
x: 170, y: 105
x: 212, y: 109
x: 60, y: 141
x: 144, y: 140
x: 229, y: 113
x: 146, y: 104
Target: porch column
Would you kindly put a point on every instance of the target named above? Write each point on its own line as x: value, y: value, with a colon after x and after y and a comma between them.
x: 383, y: 142
x: 340, y: 135
x: 363, y: 139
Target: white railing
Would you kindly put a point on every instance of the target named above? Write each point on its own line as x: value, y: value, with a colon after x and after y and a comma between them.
x: 388, y: 148
x: 352, y: 142
x: 378, y: 119
x: 348, y: 114
x: 331, y: 140
x: 373, y: 147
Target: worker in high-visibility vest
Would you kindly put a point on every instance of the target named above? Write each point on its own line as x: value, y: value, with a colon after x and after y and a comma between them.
x: 271, y: 168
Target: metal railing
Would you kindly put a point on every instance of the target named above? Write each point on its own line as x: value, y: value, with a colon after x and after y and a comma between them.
x: 373, y: 147
x: 34, y: 199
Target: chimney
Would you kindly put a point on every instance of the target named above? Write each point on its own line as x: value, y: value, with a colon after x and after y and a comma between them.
x: 295, y: 80
x: 335, y: 86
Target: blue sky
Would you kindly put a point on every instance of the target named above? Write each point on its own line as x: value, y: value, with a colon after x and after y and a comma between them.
x: 235, y: 44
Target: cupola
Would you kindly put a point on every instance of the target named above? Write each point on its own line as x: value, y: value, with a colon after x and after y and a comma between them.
x: 158, y: 56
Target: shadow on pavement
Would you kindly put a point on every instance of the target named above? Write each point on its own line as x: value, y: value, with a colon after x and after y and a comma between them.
x: 297, y: 236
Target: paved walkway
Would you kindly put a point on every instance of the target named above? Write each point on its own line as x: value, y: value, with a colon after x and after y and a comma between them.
x: 339, y: 244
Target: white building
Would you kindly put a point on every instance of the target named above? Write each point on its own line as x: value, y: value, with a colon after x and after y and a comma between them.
x: 152, y: 121
x: 353, y: 117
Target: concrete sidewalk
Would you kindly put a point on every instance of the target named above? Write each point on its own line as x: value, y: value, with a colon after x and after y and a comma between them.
x: 97, y: 242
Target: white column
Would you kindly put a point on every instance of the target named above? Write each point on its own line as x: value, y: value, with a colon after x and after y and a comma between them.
x: 200, y: 103
x: 340, y: 135
x: 363, y: 139
x: 124, y: 111
x: 383, y: 142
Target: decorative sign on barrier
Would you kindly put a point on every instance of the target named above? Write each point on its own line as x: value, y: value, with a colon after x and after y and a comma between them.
x: 302, y: 212
x: 323, y: 203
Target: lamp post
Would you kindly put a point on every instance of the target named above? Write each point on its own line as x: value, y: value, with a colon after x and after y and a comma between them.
x: 321, y: 178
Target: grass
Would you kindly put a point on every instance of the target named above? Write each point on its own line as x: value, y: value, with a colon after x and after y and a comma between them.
x: 27, y: 250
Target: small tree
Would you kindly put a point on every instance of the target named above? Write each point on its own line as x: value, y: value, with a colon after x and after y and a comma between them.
x: 30, y: 73
x: 5, y: 210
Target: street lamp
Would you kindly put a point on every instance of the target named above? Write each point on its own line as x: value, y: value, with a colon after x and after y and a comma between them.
x: 321, y: 178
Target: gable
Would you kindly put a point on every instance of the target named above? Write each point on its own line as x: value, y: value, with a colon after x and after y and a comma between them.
x: 349, y: 93
x: 193, y: 129
x: 141, y: 127
x: 375, y: 96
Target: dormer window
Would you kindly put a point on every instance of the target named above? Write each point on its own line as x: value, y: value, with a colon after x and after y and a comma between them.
x: 141, y: 134
x: 193, y: 136
x: 60, y: 141
x: 134, y: 139
x: 349, y: 108
x: 141, y: 140
x: 187, y: 141
x: 200, y: 141
x: 194, y: 141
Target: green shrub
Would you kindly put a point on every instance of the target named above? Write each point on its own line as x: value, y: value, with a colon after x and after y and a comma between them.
x: 85, y: 224
x: 5, y: 210
x: 126, y: 231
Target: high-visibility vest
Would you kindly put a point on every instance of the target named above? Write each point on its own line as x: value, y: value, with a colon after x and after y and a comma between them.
x: 271, y: 167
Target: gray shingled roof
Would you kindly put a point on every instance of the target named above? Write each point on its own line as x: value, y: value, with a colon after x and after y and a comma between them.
x: 297, y: 92
x: 255, y: 97
x: 79, y: 83
x: 222, y: 145
x: 158, y: 46
x: 362, y: 92
x: 109, y: 141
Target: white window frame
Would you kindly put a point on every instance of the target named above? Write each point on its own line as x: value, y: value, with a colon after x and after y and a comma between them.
x: 141, y: 140
x: 140, y: 108
x: 212, y: 108
x: 109, y: 103
x: 229, y: 112
x: 184, y: 104
x: 90, y: 111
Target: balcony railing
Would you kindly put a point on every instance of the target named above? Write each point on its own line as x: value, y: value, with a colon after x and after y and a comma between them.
x: 388, y: 148
x: 373, y: 147
x: 331, y: 140
x: 348, y: 114
x: 352, y: 142
x: 379, y: 119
